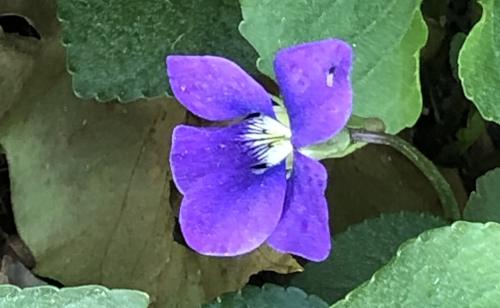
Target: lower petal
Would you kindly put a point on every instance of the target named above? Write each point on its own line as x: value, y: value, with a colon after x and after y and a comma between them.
x: 303, y: 229
x: 232, y: 212
x: 227, y: 209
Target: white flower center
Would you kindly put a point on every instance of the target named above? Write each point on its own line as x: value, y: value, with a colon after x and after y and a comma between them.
x: 268, y: 141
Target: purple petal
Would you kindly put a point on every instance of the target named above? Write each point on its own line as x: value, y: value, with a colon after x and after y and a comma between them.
x: 303, y: 229
x: 227, y: 209
x: 215, y: 88
x: 315, y: 84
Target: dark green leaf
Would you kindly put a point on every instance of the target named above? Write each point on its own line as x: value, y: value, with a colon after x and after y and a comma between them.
x: 454, y: 266
x: 269, y: 296
x: 360, y: 251
x: 117, y: 49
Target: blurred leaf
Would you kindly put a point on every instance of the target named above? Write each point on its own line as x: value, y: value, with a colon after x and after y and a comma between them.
x: 479, y: 62
x: 386, y: 36
x: 91, y: 190
x: 455, y: 266
x: 455, y: 45
x: 269, y: 296
x: 360, y: 251
x: 484, y: 203
x: 466, y: 136
x: 117, y: 49
x: 81, y: 297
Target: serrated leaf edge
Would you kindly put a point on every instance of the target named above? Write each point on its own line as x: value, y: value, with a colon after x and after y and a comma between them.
x: 242, y: 293
x: 480, y: 191
x: 17, y: 289
x: 73, y: 72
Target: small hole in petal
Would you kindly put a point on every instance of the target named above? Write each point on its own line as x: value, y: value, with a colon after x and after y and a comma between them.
x: 330, y: 77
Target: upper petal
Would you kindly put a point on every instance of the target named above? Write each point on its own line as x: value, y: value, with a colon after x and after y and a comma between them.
x: 314, y: 79
x: 227, y: 209
x: 303, y: 229
x: 215, y: 88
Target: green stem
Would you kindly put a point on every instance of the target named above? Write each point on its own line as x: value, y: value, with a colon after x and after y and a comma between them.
x: 442, y: 187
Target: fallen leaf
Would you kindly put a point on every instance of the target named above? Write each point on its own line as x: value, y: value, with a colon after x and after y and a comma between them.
x: 91, y: 184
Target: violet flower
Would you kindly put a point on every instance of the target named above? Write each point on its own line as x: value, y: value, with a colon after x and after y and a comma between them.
x: 238, y: 193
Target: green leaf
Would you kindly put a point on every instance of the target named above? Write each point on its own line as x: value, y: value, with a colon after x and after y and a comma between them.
x: 117, y: 49
x: 387, y: 37
x: 269, y: 296
x: 456, y: 44
x: 92, y: 190
x: 468, y: 135
x: 91, y: 296
x: 455, y: 266
x: 479, y: 62
x: 360, y: 251
x: 484, y: 203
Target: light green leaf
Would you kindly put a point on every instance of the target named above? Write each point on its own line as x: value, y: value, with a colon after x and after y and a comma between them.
x: 479, y: 62
x: 387, y: 37
x: 269, y: 296
x: 92, y: 189
x: 455, y: 266
x: 360, y: 251
x: 117, y: 49
x: 484, y: 203
x: 92, y: 296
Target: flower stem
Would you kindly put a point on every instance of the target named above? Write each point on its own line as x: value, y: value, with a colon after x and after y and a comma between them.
x: 442, y: 187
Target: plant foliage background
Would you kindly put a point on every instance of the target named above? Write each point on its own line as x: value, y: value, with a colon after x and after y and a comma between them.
x: 85, y: 124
